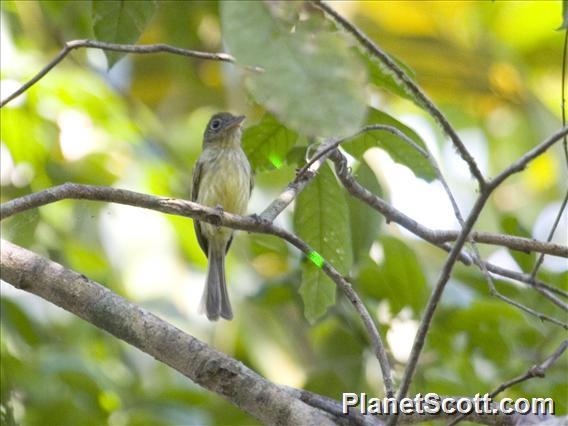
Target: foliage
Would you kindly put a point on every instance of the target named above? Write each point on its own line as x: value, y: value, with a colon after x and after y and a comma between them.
x: 138, y: 124
x: 321, y: 219
x: 311, y: 81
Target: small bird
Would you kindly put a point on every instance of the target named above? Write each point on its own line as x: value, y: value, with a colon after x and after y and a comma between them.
x: 222, y: 178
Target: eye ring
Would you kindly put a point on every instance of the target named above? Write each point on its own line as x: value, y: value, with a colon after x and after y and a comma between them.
x: 215, y: 124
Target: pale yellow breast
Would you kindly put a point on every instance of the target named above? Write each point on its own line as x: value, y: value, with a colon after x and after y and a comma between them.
x: 226, y: 181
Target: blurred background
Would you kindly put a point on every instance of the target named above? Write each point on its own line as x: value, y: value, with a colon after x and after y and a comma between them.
x: 493, y: 67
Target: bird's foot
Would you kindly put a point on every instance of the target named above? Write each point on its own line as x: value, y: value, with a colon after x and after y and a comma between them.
x: 217, y: 217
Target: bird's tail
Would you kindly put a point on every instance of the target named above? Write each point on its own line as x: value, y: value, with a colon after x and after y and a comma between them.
x: 215, y: 301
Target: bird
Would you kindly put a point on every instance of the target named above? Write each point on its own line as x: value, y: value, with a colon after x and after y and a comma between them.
x: 222, y: 179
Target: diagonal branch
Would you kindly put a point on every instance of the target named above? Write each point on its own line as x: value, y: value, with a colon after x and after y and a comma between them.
x: 440, y: 238
x: 303, y: 177
x: 436, y: 295
x: 202, y: 364
x: 127, y: 48
x: 210, y: 215
x: 552, y: 230
x: 412, y: 87
x: 535, y: 371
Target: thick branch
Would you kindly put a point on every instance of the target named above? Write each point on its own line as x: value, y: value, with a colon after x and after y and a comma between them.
x: 127, y: 48
x: 211, y: 369
x: 202, y: 364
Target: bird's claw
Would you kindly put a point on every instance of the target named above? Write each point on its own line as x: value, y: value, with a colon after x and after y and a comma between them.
x: 257, y: 218
x: 216, y: 218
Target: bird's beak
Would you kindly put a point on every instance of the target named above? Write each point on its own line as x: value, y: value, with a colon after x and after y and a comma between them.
x: 237, y: 121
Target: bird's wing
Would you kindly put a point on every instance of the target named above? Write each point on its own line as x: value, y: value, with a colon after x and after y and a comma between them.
x: 197, y: 171
x: 251, y: 181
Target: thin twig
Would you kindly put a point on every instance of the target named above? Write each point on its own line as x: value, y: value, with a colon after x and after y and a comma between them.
x: 520, y: 164
x: 477, y: 257
x: 563, y: 92
x: 565, y: 145
x: 127, y: 48
x: 206, y: 214
x: 303, y: 177
x: 436, y: 295
x: 525, y: 279
x: 440, y: 238
x: 551, y: 233
x: 325, y: 151
x: 535, y: 371
x: 402, y: 77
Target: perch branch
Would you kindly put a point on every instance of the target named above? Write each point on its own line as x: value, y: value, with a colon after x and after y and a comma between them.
x: 204, y: 365
x: 206, y: 214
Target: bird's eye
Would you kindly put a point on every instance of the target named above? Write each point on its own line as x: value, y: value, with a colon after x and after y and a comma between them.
x: 215, y: 124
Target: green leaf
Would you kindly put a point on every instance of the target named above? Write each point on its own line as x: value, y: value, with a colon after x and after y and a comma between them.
x: 321, y: 219
x: 511, y: 225
x: 399, y: 150
x: 267, y: 143
x: 120, y: 21
x: 564, y: 25
x: 311, y: 81
x: 297, y: 156
x: 365, y: 222
x: 17, y: 321
x: 489, y: 323
x: 398, y: 279
x: 384, y: 78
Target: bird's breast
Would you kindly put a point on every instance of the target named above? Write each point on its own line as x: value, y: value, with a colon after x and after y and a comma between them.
x: 226, y: 181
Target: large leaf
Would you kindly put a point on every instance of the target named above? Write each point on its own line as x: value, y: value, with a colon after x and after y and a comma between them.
x: 365, y: 221
x: 398, y: 279
x: 398, y: 149
x: 311, y: 81
x: 120, y: 21
x: 321, y: 219
x: 267, y: 143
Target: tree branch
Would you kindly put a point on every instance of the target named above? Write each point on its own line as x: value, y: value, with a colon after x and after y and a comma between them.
x: 127, y: 48
x: 402, y: 77
x: 303, y: 177
x: 436, y: 295
x: 535, y: 371
x: 202, y: 364
x: 438, y: 238
x: 206, y: 214
x: 552, y: 230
